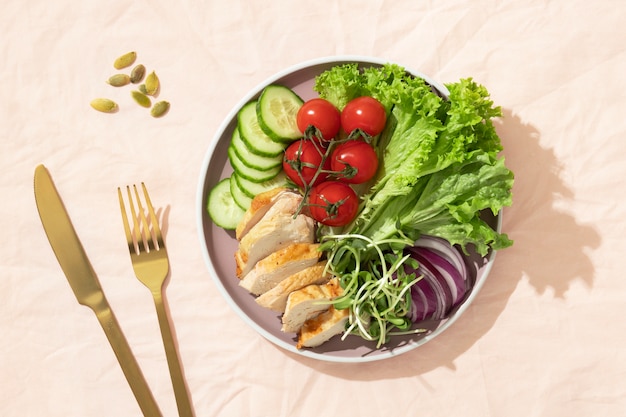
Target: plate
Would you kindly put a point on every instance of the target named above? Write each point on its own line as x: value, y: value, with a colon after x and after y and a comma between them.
x: 219, y: 246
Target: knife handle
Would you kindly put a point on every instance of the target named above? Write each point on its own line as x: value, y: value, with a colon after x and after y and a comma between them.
x: 127, y: 361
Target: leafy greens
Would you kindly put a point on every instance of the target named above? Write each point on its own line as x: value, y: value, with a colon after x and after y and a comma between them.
x: 439, y: 170
x: 440, y: 166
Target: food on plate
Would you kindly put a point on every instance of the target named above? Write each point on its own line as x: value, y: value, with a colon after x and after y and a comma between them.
x: 249, y: 158
x: 302, y: 162
x: 444, y: 282
x: 363, y: 115
x: 287, y: 279
x: 278, y: 266
x: 279, y: 227
x: 322, y: 328
x: 255, y: 156
x: 387, y: 180
x: 245, y: 171
x: 333, y: 203
x: 276, y: 110
x: 222, y: 207
x: 319, y: 118
x: 276, y: 298
x: 278, y: 261
x: 253, y: 135
x: 307, y: 303
x: 259, y: 207
x: 440, y: 158
x: 354, y: 161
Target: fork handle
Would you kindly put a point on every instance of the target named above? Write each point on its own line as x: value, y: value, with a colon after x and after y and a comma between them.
x: 176, y: 373
x: 127, y: 361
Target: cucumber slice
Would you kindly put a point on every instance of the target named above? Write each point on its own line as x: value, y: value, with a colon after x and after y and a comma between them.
x: 252, y: 134
x: 222, y: 207
x: 251, y: 189
x: 250, y: 159
x: 242, y: 199
x: 248, y: 173
x: 276, y: 110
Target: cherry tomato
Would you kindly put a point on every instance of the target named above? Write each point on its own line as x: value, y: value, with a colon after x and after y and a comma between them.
x: 364, y: 113
x: 355, y: 161
x: 321, y: 114
x: 302, y: 160
x: 333, y: 203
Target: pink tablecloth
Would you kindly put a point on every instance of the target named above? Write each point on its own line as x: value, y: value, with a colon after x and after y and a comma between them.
x: 546, y: 335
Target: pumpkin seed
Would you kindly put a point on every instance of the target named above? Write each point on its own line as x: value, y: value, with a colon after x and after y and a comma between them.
x: 136, y: 75
x: 160, y: 109
x: 142, y: 88
x: 104, y: 105
x: 141, y: 99
x: 152, y: 84
x: 118, y: 80
x: 125, y: 60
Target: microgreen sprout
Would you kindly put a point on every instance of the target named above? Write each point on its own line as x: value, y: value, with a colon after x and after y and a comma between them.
x: 376, y: 286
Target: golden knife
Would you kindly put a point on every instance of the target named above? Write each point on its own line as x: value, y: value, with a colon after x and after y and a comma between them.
x: 84, y: 282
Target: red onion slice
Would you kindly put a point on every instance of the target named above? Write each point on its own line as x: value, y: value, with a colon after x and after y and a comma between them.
x: 445, y: 279
x: 453, y: 277
x: 443, y: 248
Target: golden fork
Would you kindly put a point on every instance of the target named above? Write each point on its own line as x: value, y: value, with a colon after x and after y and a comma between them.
x: 150, y: 262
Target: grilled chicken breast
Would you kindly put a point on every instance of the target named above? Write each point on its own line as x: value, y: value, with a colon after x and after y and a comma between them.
x: 260, y: 206
x: 278, y: 260
x: 308, y: 302
x: 276, y: 267
x: 276, y: 298
x: 321, y: 328
x: 277, y: 229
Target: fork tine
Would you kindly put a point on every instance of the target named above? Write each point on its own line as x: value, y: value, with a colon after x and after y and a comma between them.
x: 136, y: 230
x: 129, y: 237
x: 144, y: 228
x: 153, y: 218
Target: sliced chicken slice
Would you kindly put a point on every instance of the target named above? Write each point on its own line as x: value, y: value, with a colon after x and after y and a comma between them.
x: 261, y: 204
x: 276, y: 230
x: 276, y: 298
x: 308, y: 302
x: 320, y: 329
x: 271, y: 270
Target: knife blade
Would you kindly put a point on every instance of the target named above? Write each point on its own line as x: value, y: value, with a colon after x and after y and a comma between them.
x: 84, y: 282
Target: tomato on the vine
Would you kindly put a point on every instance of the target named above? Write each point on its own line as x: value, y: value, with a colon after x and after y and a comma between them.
x: 364, y: 113
x: 354, y: 161
x: 302, y: 160
x: 322, y: 115
x: 333, y: 203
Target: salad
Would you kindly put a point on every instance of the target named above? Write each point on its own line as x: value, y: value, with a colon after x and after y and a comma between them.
x: 396, y: 177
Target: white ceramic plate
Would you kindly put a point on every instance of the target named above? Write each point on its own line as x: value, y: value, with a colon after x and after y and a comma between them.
x: 219, y: 246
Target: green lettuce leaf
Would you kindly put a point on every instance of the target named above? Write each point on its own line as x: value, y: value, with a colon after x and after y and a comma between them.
x: 439, y: 158
x: 340, y: 84
x: 449, y: 204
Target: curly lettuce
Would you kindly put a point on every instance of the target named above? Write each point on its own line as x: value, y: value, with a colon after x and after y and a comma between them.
x: 439, y: 158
